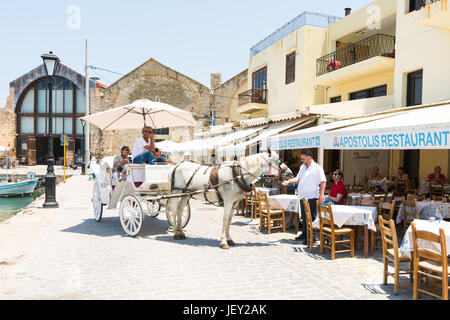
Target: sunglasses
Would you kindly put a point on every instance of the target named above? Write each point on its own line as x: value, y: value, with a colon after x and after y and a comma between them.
x: 148, y: 131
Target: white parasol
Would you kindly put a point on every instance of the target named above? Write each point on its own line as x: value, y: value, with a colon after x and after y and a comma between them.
x: 141, y: 113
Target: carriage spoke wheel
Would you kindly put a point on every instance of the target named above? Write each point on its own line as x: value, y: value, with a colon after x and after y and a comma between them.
x: 154, y: 207
x: 185, y: 216
x: 97, y: 204
x: 131, y: 215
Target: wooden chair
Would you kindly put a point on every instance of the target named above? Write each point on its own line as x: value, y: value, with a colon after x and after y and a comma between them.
x: 410, y: 209
x: 430, y: 263
x: 366, y: 202
x: 436, y: 189
x: 436, y: 197
x: 268, y: 216
x: 386, y: 210
x: 391, y: 254
x: 310, y: 236
x: 379, y: 197
x: 401, y: 189
x: 250, y: 202
x: 329, y: 232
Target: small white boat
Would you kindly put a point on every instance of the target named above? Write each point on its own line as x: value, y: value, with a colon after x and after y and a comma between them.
x: 17, y: 185
x: 21, y: 187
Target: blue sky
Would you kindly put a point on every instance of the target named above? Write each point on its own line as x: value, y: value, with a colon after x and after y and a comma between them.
x: 194, y: 37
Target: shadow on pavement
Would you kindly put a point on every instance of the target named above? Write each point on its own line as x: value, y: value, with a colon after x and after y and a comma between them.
x: 208, y: 242
x: 110, y: 226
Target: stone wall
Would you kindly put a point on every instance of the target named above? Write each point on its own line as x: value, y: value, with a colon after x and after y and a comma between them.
x: 8, y: 124
x: 226, y: 98
x: 152, y: 80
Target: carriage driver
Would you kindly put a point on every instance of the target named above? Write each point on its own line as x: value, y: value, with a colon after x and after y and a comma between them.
x: 144, y: 147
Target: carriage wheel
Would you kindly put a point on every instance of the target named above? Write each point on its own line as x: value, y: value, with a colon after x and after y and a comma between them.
x: 131, y: 215
x: 97, y: 203
x: 185, y: 216
x: 153, y: 208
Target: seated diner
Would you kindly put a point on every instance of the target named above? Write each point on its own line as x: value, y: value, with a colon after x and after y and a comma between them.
x: 337, y: 191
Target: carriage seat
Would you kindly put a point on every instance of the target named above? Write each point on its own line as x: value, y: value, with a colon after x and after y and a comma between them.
x: 147, y: 177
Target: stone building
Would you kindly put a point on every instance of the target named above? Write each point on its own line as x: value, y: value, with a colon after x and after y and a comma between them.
x: 157, y: 82
x: 24, y: 119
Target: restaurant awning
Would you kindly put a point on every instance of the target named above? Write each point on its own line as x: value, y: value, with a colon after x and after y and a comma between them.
x: 421, y: 127
x: 201, y: 146
x: 415, y: 128
x: 239, y: 149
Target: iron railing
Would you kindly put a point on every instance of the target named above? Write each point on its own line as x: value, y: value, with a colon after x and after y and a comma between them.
x: 253, y: 96
x: 376, y: 45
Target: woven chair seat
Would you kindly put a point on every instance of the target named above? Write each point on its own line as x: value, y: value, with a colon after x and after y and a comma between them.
x: 338, y: 231
x: 400, y: 258
x: 431, y: 265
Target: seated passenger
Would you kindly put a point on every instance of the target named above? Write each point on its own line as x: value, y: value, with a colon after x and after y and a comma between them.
x: 337, y: 191
x: 437, y: 176
x: 120, y: 161
x: 144, y: 147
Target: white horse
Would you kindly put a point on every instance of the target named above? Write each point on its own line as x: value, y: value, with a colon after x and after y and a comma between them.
x: 233, y: 181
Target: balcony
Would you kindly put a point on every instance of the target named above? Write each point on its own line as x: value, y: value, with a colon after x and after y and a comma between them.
x: 354, y: 107
x: 373, y: 55
x: 436, y: 14
x: 252, y: 101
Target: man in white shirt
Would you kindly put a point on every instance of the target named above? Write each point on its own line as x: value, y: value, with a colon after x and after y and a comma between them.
x: 311, y: 186
x: 144, y: 147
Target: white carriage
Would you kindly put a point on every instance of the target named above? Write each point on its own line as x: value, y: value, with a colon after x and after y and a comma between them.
x: 143, y: 191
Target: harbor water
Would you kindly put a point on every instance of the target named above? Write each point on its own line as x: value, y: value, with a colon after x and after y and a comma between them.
x: 9, y: 206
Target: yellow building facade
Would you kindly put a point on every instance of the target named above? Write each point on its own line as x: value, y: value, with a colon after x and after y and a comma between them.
x: 389, y: 54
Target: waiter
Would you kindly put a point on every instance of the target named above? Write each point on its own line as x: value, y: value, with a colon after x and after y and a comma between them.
x: 311, y: 186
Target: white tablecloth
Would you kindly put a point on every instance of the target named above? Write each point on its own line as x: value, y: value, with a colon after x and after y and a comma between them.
x: 353, y: 216
x: 288, y: 202
x: 407, y: 243
x: 425, y: 188
x: 427, y: 209
x: 353, y: 198
x: 383, y: 184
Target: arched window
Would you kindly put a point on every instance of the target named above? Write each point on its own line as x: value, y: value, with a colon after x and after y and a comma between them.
x: 68, y: 105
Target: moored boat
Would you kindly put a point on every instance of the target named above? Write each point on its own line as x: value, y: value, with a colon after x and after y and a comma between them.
x: 20, y: 187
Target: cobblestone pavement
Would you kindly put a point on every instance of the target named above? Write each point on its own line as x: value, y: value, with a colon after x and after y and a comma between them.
x: 65, y: 254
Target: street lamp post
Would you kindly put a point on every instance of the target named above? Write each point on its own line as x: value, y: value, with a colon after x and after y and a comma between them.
x: 83, y: 163
x: 51, y: 62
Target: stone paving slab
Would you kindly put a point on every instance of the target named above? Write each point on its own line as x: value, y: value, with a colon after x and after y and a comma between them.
x: 65, y: 254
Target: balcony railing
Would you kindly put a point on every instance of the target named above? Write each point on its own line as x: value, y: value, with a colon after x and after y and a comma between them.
x: 376, y: 45
x: 253, y: 96
x: 424, y: 3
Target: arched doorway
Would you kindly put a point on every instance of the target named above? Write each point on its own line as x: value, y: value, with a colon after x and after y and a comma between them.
x: 32, y: 120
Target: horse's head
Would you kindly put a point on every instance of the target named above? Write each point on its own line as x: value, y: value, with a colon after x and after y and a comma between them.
x: 286, y: 173
x: 281, y: 171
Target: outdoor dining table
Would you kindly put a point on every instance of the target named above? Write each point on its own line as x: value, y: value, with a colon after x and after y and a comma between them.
x: 427, y: 209
x: 288, y: 202
x: 425, y: 188
x: 407, y: 247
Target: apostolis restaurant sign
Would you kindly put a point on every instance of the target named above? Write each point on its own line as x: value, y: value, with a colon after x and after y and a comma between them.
x: 289, y: 143
x: 414, y: 139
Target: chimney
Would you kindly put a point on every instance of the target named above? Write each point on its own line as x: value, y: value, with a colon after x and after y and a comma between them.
x: 216, y: 80
x: 348, y: 11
